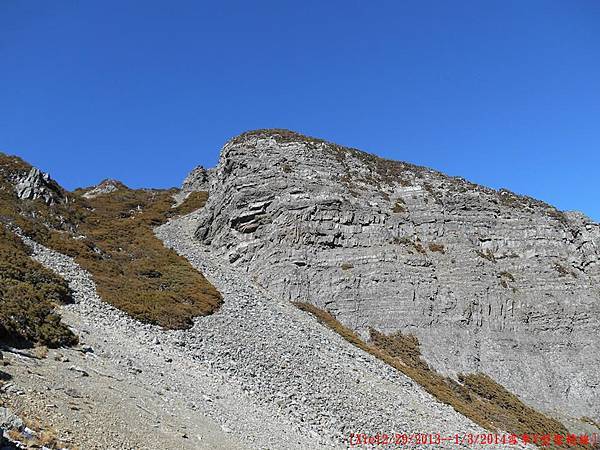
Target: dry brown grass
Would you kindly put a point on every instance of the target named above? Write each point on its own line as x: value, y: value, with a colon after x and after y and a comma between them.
x: 399, y: 206
x: 590, y: 421
x: 509, y: 276
x: 563, y: 271
x: 475, y: 396
x: 194, y: 201
x: 411, y: 244
x: 132, y: 269
x: 43, y: 437
x: 40, y: 351
x: 434, y: 247
x: 487, y: 254
x: 28, y: 295
x: 112, y: 237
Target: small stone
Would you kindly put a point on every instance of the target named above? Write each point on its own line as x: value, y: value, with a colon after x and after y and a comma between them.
x: 79, y: 370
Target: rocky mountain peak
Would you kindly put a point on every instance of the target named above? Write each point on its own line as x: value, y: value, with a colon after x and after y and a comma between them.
x: 197, y: 180
x: 473, y: 294
x: 473, y: 272
x: 104, y: 187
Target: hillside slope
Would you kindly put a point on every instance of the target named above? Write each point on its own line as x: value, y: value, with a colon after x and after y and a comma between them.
x: 256, y: 373
x: 487, y: 280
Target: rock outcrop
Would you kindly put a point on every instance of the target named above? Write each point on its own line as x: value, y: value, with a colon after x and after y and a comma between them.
x: 196, y: 181
x: 259, y: 374
x: 38, y: 185
x: 104, y: 187
x: 489, y: 281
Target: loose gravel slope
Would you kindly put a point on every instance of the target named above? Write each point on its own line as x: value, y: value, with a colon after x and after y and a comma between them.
x: 258, y: 374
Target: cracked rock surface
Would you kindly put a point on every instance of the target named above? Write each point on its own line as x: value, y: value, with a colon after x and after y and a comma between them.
x: 487, y: 280
x: 38, y: 185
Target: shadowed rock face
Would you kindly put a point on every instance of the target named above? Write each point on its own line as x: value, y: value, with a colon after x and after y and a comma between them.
x: 488, y: 281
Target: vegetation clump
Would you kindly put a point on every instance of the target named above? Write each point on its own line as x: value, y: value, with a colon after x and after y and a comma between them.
x: 110, y: 235
x: 31, y: 434
x: 28, y: 295
x: 487, y: 254
x: 412, y: 244
x: 132, y: 269
x: 505, y: 278
x: 399, y: 206
x: 439, y: 248
x: 193, y: 202
x: 563, y: 271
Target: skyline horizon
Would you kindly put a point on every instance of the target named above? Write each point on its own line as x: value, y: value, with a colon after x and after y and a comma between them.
x: 186, y: 173
x: 505, y: 94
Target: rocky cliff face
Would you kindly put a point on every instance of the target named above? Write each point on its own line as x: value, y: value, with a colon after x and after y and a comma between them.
x: 38, y: 185
x: 487, y: 280
x: 196, y: 181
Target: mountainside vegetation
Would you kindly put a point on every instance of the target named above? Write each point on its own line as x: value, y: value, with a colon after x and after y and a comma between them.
x: 28, y: 295
x: 132, y: 269
x: 29, y: 292
x: 111, y: 236
x: 476, y: 396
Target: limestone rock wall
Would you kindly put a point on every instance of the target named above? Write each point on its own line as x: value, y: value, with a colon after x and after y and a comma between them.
x: 489, y: 281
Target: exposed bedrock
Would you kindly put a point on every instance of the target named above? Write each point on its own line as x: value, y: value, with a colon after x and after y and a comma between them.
x: 488, y: 280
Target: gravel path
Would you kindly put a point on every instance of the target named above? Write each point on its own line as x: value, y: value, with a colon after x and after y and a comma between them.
x: 258, y: 374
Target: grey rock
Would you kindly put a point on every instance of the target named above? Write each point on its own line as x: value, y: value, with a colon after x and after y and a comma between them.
x: 269, y: 369
x: 489, y: 281
x: 196, y: 181
x: 79, y: 370
x: 38, y: 185
x: 8, y: 419
x: 105, y: 187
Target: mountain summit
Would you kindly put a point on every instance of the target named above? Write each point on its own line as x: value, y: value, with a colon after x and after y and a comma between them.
x: 489, y: 281
x: 299, y: 295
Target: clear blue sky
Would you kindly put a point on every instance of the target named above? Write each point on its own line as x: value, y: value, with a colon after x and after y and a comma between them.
x: 503, y: 92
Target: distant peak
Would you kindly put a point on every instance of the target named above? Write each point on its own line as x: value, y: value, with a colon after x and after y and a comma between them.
x: 105, y: 187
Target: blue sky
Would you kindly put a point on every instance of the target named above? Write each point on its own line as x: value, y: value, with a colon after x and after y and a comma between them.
x: 503, y: 92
